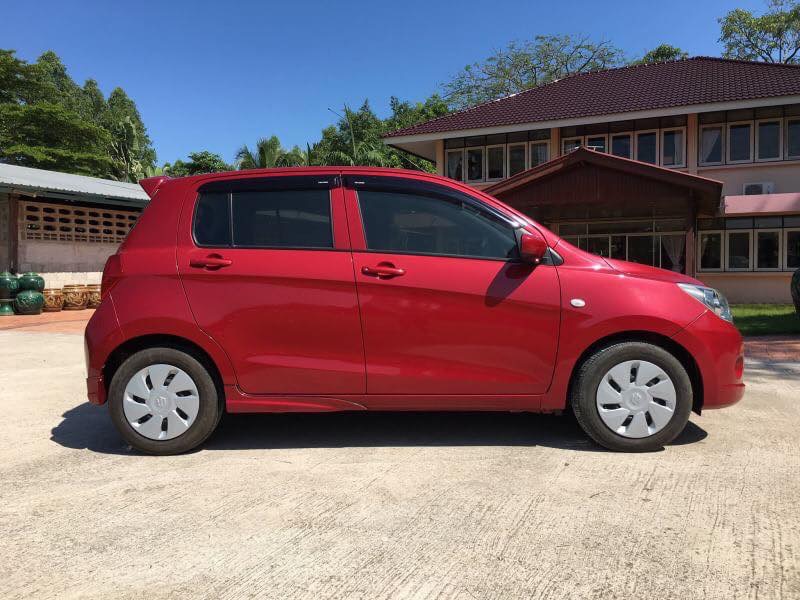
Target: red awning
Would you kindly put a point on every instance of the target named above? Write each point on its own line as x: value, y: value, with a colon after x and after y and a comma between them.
x: 762, y: 204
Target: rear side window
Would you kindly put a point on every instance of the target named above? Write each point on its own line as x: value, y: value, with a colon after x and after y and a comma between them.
x: 419, y: 224
x: 282, y: 218
x: 299, y: 218
x: 212, y: 224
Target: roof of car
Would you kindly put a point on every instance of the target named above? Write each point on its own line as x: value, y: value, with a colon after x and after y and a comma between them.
x: 692, y: 81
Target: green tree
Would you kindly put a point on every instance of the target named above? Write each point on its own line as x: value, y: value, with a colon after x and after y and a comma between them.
x: 523, y: 65
x: 198, y: 163
x: 131, y: 148
x: 662, y: 53
x: 773, y: 37
x: 268, y: 153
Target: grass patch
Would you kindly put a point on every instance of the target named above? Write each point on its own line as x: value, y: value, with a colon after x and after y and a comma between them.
x: 766, y: 319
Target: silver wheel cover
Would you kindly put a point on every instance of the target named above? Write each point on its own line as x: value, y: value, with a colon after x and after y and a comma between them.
x: 161, y: 402
x: 636, y: 399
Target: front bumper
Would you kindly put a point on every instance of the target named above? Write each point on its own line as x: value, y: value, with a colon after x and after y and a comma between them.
x: 718, y: 350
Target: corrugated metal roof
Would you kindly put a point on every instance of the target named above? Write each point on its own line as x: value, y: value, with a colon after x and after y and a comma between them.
x: 39, y: 180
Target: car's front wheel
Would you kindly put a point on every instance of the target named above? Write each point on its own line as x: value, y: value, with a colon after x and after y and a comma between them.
x: 632, y: 397
x: 164, y: 401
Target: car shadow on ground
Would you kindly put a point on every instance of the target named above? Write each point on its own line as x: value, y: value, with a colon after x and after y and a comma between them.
x: 89, y: 427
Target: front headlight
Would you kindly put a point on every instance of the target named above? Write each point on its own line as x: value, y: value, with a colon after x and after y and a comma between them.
x: 715, y: 301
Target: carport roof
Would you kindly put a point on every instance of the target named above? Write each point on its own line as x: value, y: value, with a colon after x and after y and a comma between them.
x: 53, y: 184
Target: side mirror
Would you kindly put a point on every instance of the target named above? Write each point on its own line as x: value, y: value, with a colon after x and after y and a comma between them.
x: 532, y: 247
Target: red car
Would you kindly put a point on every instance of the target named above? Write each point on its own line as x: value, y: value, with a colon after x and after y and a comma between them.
x: 330, y: 289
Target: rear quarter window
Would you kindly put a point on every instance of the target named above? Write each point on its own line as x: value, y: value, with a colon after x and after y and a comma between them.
x: 212, y: 225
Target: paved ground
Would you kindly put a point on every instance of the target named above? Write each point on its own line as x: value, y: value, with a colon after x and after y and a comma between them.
x: 390, y: 506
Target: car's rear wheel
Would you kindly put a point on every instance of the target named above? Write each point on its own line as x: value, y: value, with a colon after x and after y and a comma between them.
x: 164, y: 401
x: 632, y: 397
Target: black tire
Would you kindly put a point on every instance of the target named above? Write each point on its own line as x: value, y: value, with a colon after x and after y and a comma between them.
x: 209, y: 412
x: 589, y: 376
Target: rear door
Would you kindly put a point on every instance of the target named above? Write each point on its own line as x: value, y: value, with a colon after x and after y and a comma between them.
x: 446, y: 307
x: 267, y: 270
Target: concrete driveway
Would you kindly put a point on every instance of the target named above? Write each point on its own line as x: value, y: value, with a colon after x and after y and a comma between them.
x: 390, y: 505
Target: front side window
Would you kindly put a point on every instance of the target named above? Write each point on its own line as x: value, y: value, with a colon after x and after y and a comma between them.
x: 768, y: 140
x: 455, y: 165
x: 212, y: 225
x: 711, y: 145
x: 647, y: 147
x: 495, y: 162
x: 740, y: 142
x: 475, y: 164
x: 415, y: 223
x: 672, y: 148
x: 282, y: 219
x: 516, y: 159
x: 540, y: 153
x: 621, y: 145
x: 711, y: 251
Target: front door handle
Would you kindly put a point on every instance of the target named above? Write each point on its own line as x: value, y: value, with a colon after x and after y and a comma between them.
x: 213, y: 261
x: 384, y: 271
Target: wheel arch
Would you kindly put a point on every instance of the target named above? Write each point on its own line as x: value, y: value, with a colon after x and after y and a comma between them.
x: 134, y: 345
x: 656, y: 339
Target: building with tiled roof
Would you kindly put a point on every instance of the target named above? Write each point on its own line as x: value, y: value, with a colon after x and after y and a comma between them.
x: 733, y: 122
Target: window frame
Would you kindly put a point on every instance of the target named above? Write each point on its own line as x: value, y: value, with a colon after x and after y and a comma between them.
x: 780, y: 139
x: 578, y: 138
x: 545, y: 143
x: 786, y: 155
x: 463, y: 153
x: 503, y: 162
x: 681, y: 165
x: 658, y: 145
x: 722, y: 254
x: 482, y: 150
x: 629, y: 135
x: 526, y: 160
x: 750, y: 257
x: 723, y: 144
x: 728, y: 126
x: 785, y: 248
x: 754, y: 260
x: 599, y: 135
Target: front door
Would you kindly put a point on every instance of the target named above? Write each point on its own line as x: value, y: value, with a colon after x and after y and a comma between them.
x: 446, y: 307
x: 267, y: 271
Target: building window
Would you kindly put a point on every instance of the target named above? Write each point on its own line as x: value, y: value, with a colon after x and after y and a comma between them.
x: 710, y: 251
x: 495, y: 162
x: 570, y: 144
x: 455, y: 164
x: 516, y: 159
x: 621, y: 145
x: 792, y: 138
x: 768, y: 249
x: 475, y: 164
x: 540, y: 153
x: 711, y: 144
x: 740, y: 142
x: 596, y: 142
x: 768, y: 139
x: 673, y: 147
x: 647, y: 146
x: 792, y: 249
x: 737, y: 246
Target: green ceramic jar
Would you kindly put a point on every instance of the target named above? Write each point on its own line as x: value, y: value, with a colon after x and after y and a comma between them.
x: 31, y: 281
x: 28, y: 302
x: 9, y: 285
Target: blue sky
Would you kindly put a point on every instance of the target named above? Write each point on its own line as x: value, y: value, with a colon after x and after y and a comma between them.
x: 215, y: 75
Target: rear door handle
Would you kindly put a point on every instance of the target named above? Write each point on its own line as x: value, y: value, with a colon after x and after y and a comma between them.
x: 383, y: 270
x: 214, y: 261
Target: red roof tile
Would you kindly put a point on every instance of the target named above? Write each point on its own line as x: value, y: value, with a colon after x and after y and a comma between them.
x: 699, y: 80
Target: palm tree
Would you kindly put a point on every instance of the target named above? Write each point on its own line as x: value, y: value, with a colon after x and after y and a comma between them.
x: 268, y: 153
